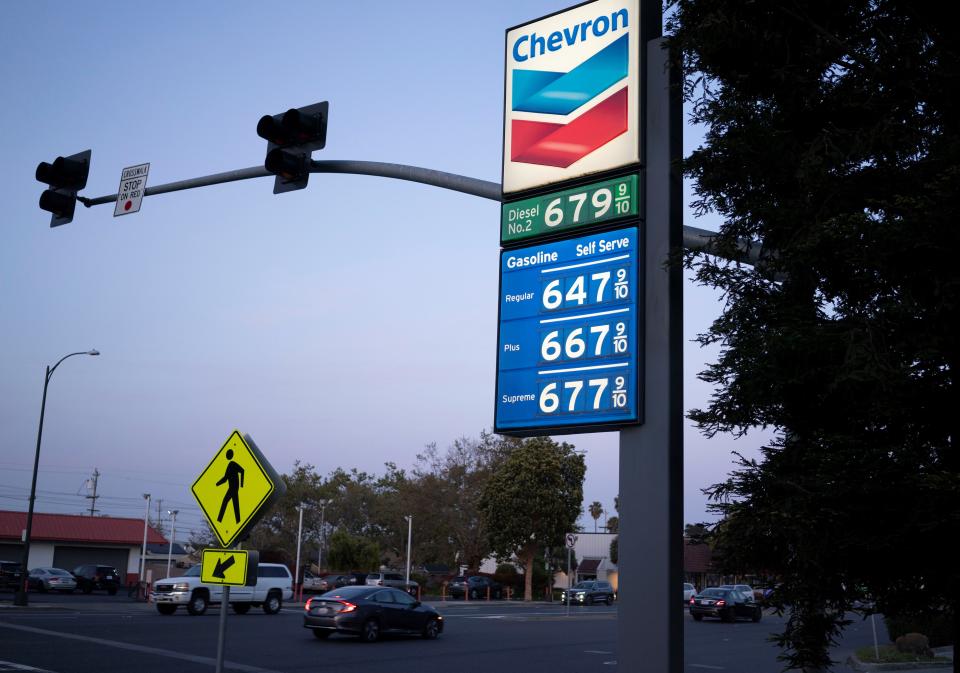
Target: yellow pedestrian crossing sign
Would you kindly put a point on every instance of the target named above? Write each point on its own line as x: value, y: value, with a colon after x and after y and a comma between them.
x: 236, y: 489
x: 229, y: 566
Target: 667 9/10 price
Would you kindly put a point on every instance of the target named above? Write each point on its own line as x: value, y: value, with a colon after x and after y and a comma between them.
x: 591, y: 394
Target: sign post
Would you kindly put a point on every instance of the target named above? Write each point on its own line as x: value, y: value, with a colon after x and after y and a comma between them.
x: 240, y: 486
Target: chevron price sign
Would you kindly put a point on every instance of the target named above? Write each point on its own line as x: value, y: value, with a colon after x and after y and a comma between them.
x: 572, y: 91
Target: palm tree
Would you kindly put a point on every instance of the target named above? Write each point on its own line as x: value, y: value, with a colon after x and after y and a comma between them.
x: 595, y: 509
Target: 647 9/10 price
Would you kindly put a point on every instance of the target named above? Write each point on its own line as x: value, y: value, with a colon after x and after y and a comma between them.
x: 568, y: 394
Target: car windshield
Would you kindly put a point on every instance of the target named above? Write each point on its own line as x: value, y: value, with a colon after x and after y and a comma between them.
x: 350, y: 592
x: 56, y: 571
x: 583, y: 585
x: 193, y: 572
x: 718, y: 593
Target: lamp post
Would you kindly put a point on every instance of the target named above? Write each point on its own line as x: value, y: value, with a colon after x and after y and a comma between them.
x: 323, y: 533
x: 143, y: 551
x: 21, y: 596
x: 409, y: 518
x: 173, y: 533
x: 296, y: 573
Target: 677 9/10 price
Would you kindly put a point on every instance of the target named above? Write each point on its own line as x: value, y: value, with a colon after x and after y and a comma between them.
x: 593, y: 394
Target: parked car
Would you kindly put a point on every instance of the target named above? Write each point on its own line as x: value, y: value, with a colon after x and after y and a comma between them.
x: 369, y: 612
x: 91, y: 576
x: 688, y: 591
x: 477, y: 585
x: 742, y: 588
x: 726, y: 604
x: 274, y: 585
x: 589, y: 592
x: 394, y: 580
x: 51, y: 579
x: 313, y: 582
x: 10, y: 575
x: 337, y: 581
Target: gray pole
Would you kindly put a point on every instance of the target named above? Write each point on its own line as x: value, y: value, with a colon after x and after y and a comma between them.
x: 143, y: 550
x: 222, y: 628
x: 569, y: 578
x: 296, y: 573
x: 173, y: 533
x: 650, y: 620
x: 409, y: 519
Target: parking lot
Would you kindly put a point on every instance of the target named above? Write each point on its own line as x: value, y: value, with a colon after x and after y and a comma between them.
x: 80, y: 634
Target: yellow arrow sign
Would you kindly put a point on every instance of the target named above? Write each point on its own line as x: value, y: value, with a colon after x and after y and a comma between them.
x: 236, y: 488
x: 228, y: 566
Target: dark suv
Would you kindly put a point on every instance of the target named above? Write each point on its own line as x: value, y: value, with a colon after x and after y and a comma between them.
x: 480, y: 587
x: 10, y: 575
x: 92, y: 576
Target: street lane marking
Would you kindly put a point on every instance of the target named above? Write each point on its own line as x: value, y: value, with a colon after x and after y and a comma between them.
x: 138, y: 648
x: 10, y: 666
x: 598, y: 652
x: 713, y: 668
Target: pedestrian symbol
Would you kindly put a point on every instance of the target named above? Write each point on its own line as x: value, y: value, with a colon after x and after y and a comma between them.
x: 236, y: 489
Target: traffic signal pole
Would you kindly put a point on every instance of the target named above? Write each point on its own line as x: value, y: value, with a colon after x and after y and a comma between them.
x: 694, y: 238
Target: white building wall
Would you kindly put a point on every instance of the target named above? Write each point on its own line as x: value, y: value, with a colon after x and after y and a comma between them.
x: 41, y: 555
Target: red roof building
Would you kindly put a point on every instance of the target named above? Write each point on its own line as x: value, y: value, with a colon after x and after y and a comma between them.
x: 68, y: 540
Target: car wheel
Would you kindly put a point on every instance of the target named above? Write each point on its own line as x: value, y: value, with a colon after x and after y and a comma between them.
x: 165, y: 609
x: 474, y: 594
x: 272, y: 605
x: 321, y: 635
x: 431, y: 630
x: 42, y: 587
x: 371, y: 631
x: 757, y: 615
x: 198, y: 604
x: 241, y: 608
x: 609, y: 600
x: 86, y: 588
x: 696, y: 617
x: 112, y: 591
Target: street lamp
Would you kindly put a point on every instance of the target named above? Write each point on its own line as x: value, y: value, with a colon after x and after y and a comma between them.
x: 173, y: 533
x: 21, y: 596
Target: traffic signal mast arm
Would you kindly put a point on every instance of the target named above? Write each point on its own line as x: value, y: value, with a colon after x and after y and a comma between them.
x: 693, y: 237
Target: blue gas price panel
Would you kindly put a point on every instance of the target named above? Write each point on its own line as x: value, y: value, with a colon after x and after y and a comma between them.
x: 568, y: 344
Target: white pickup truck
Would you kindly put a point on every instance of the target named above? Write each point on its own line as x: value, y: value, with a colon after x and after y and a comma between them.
x: 274, y: 585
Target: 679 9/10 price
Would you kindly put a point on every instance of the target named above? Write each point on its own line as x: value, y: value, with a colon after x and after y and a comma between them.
x: 602, y: 201
x: 593, y: 394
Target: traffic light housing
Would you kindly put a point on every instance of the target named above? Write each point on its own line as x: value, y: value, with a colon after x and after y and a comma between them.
x: 66, y: 176
x: 291, y: 138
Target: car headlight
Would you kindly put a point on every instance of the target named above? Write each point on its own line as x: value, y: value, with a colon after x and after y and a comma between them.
x: 181, y: 586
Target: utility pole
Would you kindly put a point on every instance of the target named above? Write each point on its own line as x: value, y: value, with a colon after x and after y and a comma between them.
x: 409, y: 519
x: 93, y: 498
x: 323, y: 534
x: 173, y: 513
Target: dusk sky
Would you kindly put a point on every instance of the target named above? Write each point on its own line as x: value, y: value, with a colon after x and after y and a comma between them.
x: 344, y: 325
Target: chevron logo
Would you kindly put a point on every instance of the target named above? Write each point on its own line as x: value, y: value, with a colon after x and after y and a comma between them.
x: 555, y: 93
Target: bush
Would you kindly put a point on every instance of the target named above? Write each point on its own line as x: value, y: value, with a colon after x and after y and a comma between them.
x: 916, y: 644
x: 937, y: 626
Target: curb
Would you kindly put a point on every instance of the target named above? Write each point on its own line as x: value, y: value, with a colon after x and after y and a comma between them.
x: 865, y: 667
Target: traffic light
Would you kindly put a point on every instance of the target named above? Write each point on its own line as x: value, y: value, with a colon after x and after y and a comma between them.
x: 66, y: 176
x: 291, y: 137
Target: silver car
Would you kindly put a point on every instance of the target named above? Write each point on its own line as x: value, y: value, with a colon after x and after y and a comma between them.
x: 51, y: 579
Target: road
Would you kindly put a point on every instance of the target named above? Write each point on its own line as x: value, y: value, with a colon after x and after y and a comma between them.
x: 84, y: 634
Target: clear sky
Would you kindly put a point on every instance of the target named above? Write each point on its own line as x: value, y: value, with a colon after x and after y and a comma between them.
x: 348, y: 324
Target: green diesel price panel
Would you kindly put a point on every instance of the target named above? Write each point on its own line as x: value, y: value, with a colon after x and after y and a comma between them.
x: 573, y: 208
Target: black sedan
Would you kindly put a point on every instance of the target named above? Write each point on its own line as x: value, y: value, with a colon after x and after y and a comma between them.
x: 726, y: 604
x: 369, y: 612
